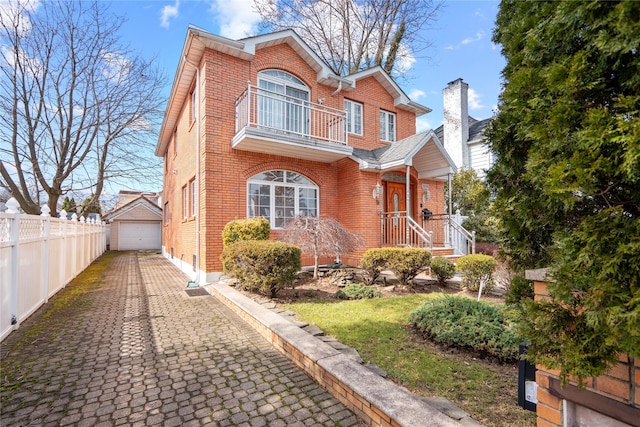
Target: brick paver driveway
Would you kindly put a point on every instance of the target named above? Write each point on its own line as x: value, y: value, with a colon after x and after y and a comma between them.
x: 138, y: 350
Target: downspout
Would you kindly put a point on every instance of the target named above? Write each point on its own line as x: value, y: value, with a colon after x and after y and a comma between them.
x: 339, y: 88
x: 197, y: 89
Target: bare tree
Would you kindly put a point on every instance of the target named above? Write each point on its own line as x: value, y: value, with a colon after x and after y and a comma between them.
x: 321, y: 237
x: 77, y: 107
x: 353, y: 35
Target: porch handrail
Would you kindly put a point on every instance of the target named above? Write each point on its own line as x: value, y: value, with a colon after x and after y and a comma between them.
x: 284, y: 113
x: 457, y: 233
x: 401, y: 230
x: 441, y: 229
x: 426, y: 237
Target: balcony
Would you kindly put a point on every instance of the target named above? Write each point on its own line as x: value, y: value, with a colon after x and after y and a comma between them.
x: 275, y: 123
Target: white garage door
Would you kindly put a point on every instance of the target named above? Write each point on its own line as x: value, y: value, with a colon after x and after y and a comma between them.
x: 139, y: 235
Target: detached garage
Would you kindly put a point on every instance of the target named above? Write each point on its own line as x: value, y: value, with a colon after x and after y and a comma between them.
x: 136, y: 225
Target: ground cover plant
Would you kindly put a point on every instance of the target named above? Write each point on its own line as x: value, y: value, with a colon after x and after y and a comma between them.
x: 358, y: 291
x: 464, y: 323
x: 379, y: 331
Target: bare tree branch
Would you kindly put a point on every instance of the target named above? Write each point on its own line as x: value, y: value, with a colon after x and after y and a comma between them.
x: 353, y: 35
x: 78, y: 107
x: 321, y: 237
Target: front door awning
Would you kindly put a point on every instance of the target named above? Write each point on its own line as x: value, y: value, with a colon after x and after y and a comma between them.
x: 423, y: 151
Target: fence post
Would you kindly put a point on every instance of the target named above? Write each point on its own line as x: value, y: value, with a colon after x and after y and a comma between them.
x: 12, y: 208
x: 46, y: 219
x: 63, y: 252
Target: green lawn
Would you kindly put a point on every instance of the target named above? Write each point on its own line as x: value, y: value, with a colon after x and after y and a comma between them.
x: 378, y: 329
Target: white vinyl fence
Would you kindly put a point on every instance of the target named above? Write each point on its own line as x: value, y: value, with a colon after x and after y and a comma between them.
x: 40, y: 255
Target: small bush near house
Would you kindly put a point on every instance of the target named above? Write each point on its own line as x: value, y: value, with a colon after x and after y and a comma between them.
x: 357, y: 291
x: 262, y: 266
x: 373, y: 263
x: 519, y: 290
x: 468, y: 324
x: 442, y: 268
x: 246, y: 229
x: 477, y: 269
x: 405, y: 263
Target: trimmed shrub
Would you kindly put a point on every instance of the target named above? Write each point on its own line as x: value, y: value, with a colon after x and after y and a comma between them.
x: 520, y: 289
x: 373, y: 262
x: 262, y: 266
x: 405, y: 263
x: 477, y: 269
x: 357, y: 291
x: 443, y: 269
x: 469, y: 324
x: 246, y: 229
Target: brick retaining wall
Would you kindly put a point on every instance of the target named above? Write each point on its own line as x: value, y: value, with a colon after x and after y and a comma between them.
x: 613, y: 397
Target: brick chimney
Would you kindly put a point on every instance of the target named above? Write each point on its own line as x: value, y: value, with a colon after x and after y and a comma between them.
x: 456, y: 122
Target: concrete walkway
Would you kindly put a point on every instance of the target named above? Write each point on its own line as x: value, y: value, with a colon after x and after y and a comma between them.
x: 145, y: 352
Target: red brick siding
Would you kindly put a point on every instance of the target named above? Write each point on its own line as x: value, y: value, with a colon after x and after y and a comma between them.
x: 345, y: 192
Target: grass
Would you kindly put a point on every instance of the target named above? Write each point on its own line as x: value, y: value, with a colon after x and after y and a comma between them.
x: 379, y: 330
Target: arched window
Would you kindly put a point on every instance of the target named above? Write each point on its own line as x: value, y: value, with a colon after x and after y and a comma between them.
x: 284, y: 102
x: 280, y: 196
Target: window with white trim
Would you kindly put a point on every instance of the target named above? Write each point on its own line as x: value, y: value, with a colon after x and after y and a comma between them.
x: 185, y: 202
x: 283, y: 102
x: 280, y: 196
x: 192, y: 196
x: 387, y: 126
x: 354, y: 116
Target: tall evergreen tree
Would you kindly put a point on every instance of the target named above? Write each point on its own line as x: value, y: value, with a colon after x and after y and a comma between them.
x: 567, y: 139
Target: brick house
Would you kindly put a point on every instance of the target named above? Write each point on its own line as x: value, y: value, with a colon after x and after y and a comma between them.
x: 262, y: 127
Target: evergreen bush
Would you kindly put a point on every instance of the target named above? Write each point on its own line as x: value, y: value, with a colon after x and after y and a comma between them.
x: 262, y: 266
x: 357, y: 291
x: 477, y: 269
x: 246, y: 229
x: 443, y: 269
x: 519, y: 289
x: 468, y: 324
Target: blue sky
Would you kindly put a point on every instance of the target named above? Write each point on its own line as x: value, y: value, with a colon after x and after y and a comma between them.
x: 461, y: 38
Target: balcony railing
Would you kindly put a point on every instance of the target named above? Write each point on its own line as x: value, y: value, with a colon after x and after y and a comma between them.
x: 287, y: 115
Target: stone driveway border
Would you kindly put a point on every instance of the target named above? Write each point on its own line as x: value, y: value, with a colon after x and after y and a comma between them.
x: 147, y: 353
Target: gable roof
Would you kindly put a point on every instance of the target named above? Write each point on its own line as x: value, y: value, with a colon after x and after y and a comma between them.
x: 423, y: 151
x: 197, y: 40
x: 401, y: 100
x: 138, y: 201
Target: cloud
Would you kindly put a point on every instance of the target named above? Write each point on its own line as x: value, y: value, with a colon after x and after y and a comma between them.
x: 404, y: 60
x: 474, y: 100
x: 116, y: 66
x: 167, y: 13
x: 17, y: 14
x: 416, y: 94
x: 479, y: 36
x: 422, y: 125
x: 237, y: 19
